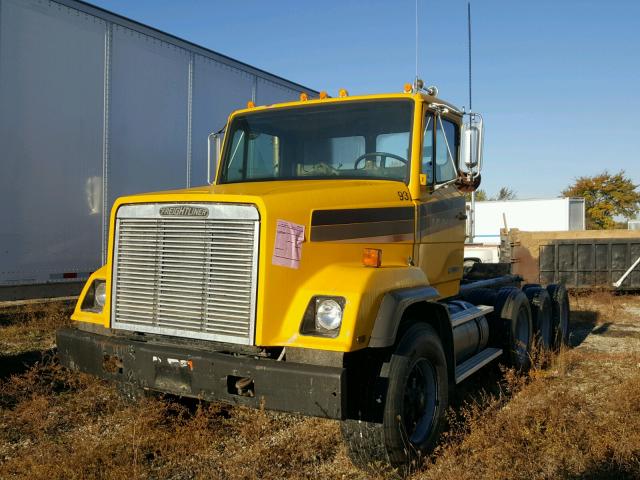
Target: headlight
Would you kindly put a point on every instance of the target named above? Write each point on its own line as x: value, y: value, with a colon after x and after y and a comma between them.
x: 328, y: 314
x: 100, y: 295
x: 323, y: 316
x: 95, y: 298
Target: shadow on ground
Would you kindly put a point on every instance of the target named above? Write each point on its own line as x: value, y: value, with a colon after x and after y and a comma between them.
x: 21, y: 362
x: 608, y: 471
x: 582, y: 324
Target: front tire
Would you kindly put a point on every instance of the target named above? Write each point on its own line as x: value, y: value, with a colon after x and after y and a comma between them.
x: 414, y: 409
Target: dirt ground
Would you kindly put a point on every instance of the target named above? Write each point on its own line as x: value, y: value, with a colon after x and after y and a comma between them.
x: 574, y: 416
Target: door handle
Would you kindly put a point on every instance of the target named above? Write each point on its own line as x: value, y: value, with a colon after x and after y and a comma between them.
x: 461, y: 216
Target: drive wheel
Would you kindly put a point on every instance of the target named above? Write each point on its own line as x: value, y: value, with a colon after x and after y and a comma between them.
x: 415, y: 404
x: 561, y: 311
x: 541, y: 314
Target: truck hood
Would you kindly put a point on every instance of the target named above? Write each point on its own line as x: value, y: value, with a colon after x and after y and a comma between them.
x: 314, y: 194
x: 338, y: 218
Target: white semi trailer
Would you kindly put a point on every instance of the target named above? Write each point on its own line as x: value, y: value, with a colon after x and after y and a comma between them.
x: 536, y: 215
x: 94, y: 106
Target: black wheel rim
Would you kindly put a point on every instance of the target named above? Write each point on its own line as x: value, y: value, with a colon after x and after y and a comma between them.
x: 522, y: 336
x: 420, y: 401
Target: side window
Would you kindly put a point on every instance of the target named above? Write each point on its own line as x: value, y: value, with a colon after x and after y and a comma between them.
x: 427, y: 149
x: 447, y: 142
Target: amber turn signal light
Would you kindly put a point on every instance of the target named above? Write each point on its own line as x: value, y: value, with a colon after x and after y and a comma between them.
x: 372, y: 257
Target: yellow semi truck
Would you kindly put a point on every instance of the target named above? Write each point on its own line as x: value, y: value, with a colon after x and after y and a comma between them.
x: 321, y: 273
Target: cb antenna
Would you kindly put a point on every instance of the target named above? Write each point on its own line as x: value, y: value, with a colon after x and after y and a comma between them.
x: 469, y: 45
x: 416, y: 80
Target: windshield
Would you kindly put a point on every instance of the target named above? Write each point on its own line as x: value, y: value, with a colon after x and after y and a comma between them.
x: 362, y: 139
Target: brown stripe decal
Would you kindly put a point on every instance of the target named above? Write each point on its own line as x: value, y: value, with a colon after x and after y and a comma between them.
x: 376, y: 225
x: 440, y: 215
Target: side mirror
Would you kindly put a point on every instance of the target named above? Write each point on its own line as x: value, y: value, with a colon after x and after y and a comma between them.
x: 472, y: 139
x: 217, y: 147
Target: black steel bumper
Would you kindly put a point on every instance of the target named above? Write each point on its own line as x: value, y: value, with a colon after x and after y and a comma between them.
x: 178, y: 369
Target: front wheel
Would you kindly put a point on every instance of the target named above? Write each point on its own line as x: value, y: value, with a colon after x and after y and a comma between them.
x: 415, y: 406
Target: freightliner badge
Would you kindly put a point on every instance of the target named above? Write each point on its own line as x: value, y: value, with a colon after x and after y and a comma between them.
x: 184, y: 211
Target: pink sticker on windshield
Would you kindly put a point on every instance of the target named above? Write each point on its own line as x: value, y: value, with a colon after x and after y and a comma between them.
x: 287, y: 250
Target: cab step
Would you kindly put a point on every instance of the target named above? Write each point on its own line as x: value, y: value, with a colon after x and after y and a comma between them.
x: 464, y: 316
x: 476, y: 362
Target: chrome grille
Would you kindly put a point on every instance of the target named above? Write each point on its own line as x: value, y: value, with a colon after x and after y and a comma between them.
x: 186, y: 276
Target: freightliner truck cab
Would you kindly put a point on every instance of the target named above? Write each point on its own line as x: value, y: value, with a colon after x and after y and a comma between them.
x: 320, y: 273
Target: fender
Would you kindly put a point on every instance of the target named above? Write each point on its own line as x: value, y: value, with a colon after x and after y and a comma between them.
x: 393, y: 306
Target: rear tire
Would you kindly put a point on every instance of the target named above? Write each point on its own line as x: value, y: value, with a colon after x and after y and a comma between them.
x: 513, y: 306
x: 415, y: 404
x: 561, y: 311
x: 541, y: 314
x: 510, y: 325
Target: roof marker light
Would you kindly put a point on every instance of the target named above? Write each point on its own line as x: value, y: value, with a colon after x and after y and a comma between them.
x: 304, y: 97
x: 343, y: 93
x: 251, y: 104
x: 407, y: 88
x: 323, y: 95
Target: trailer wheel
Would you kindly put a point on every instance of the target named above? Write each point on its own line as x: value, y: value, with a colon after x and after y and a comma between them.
x: 561, y: 310
x: 541, y: 314
x: 414, y: 409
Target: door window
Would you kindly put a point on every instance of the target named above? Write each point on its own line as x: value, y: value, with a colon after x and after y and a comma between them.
x: 427, y: 150
x: 445, y: 151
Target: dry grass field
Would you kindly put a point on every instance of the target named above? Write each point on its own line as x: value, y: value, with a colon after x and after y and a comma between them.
x: 574, y: 416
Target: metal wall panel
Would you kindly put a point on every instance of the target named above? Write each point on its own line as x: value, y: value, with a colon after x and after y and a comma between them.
x: 217, y: 90
x: 148, y: 147
x: 590, y: 264
x: 51, y: 121
x: 268, y: 92
x: 576, y: 214
x: 94, y: 106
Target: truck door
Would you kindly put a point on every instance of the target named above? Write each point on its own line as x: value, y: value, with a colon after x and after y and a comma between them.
x: 440, y: 230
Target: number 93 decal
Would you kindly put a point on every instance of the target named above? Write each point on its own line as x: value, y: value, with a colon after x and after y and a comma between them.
x: 404, y: 196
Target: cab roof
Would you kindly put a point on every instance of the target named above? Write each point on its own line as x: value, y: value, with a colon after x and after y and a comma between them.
x: 345, y: 97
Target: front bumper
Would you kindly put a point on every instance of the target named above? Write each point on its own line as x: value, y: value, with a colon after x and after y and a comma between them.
x: 213, y: 376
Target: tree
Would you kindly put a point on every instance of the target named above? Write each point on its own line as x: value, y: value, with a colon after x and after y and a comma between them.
x: 505, y: 193
x: 606, y: 196
x: 481, y: 195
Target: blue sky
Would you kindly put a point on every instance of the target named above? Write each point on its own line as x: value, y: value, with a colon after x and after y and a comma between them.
x: 558, y: 82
